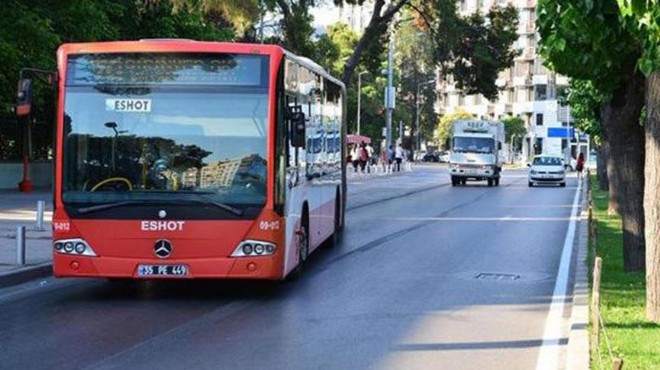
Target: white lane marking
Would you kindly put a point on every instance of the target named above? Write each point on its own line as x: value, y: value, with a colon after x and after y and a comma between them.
x: 478, y: 219
x: 549, y: 353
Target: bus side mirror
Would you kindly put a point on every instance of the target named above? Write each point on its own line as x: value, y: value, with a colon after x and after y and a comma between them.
x: 297, y: 127
x: 24, y: 97
x: 499, y: 145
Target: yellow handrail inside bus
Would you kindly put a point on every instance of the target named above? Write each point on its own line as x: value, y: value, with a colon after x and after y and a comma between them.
x: 113, y: 179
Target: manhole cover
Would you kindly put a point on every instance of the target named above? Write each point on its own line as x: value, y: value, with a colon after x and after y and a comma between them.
x: 497, y: 277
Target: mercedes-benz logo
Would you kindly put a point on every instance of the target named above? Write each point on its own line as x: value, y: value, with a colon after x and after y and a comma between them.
x: 163, y: 248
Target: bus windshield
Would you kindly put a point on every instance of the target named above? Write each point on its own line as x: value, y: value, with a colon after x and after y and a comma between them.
x: 165, y: 127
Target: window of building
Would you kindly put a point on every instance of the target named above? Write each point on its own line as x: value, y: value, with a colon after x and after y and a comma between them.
x: 539, y: 119
x: 540, y: 92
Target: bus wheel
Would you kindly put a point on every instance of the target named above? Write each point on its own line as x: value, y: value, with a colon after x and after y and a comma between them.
x: 302, y: 247
x: 337, y: 231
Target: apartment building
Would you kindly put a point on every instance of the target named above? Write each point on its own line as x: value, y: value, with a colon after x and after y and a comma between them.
x: 528, y: 89
x: 357, y: 17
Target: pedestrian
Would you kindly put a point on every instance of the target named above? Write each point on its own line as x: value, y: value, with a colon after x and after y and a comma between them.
x: 363, y: 156
x: 579, y: 166
x: 390, y: 158
x: 355, y: 158
x: 372, y: 157
x: 398, y: 157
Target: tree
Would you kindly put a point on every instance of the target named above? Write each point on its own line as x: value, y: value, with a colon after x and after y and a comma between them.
x: 476, y: 48
x: 414, y: 50
x: 644, y: 17
x: 588, y: 40
x: 514, y: 131
x: 445, y: 127
x: 585, y: 101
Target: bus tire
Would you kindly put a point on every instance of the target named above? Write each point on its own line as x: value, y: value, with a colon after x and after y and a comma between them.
x: 337, y: 229
x: 302, y: 249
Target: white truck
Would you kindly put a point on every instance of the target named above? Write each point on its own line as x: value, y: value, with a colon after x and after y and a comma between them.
x: 476, y: 152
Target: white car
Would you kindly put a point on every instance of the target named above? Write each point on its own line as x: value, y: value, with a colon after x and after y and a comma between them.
x: 547, y: 169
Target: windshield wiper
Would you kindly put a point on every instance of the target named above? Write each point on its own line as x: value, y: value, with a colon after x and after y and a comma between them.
x: 104, y: 206
x: 101, y: 207
x: 226, y: 207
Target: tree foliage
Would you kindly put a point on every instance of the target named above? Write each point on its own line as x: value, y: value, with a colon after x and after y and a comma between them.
x: 585, y: 102
x: 514, y: 126
x: 474, y: 49
x: 445, y: 127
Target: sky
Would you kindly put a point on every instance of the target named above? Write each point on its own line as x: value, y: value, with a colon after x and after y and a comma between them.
x: 325, y: 13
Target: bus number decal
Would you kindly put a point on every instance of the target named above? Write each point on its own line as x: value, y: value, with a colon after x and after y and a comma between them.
x: 61, y: 226
x: 272, y: 225
x: 128, y: 105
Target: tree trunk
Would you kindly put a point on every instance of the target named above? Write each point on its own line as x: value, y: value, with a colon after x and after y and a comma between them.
x: 612, y: 186
x: 652, y: 198
x: 601, y: 169
x: 626, y: 173
x: 377, y: 25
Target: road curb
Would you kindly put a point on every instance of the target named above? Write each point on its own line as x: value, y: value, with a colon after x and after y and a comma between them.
x: 577, y: 357
x: 25, y: 274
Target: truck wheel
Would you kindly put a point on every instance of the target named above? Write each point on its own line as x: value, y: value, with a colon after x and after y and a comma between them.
x: 530, y: 184
x: 463, y: 181
x: 490, y: 182
x: 454, y: 182
x: 497, y: 181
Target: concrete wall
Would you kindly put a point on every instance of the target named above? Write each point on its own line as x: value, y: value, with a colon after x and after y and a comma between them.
x: 11, y: 173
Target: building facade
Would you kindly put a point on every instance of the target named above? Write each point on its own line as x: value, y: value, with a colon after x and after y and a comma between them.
x: 527, y: 89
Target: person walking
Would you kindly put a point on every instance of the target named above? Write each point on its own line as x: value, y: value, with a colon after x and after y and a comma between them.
x: 579, y: 166
x: 355, y: 158
x: 372, y: 157
x: 363, y: 156
x: 390, y: 159
x: 398, y: 157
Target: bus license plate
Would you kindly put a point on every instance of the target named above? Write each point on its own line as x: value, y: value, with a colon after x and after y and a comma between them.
x: 162, y: 270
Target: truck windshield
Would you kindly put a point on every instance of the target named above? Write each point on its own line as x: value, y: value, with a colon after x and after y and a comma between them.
x: 473, y: 145
x: 142, y: 127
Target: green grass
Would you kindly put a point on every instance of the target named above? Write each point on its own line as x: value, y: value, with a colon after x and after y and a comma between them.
x: 623, y: 296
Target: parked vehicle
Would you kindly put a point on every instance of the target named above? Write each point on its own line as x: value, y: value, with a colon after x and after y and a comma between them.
x: 476, y: 152
x: 547, y: 169
x: 443, y: 157
x: 431, y: 157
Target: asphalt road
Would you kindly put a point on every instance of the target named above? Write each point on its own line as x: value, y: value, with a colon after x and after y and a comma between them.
x: 440, y: 278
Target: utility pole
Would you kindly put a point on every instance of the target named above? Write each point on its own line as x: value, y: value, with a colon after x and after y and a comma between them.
x: 261, y: 23
x: 389, y: 94
x: 417, y: 110
x: 359, y: 94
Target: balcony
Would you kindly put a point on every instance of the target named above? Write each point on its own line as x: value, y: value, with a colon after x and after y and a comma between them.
x: 540, y: 79
x: 522, y: 81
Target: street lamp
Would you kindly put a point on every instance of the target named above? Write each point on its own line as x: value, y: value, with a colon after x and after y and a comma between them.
x: 419, y: 85
x: 359, y: 94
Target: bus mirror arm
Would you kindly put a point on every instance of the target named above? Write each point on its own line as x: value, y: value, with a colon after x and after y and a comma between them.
x: 297, y: 129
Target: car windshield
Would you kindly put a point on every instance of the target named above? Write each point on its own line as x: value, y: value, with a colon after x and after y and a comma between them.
x: 188, y: 133
x: 547, y: 161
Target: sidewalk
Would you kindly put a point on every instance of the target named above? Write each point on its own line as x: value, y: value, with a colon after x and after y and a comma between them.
x: 20, y: 209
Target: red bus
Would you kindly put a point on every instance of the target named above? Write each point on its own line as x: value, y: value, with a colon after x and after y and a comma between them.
x: 186, y: 159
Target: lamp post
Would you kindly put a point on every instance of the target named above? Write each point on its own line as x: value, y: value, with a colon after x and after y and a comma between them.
x: 419, y: 85
x: 359, y: 94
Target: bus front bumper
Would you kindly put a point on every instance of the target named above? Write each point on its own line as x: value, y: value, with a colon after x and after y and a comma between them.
x: 266, y: 268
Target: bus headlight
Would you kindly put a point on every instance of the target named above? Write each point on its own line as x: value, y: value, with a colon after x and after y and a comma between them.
x: 74, y: 247
x: 254, y: 248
